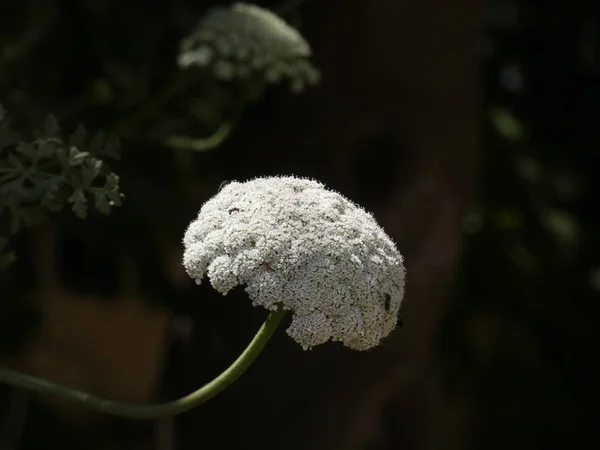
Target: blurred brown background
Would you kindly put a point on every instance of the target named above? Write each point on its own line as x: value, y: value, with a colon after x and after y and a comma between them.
x: 468, y: 128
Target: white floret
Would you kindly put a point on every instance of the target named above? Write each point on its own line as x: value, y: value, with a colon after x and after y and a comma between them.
x: 294, y: 243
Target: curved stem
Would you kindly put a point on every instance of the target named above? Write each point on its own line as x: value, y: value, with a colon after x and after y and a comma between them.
x: 201, y: 144
x: 122, y: 409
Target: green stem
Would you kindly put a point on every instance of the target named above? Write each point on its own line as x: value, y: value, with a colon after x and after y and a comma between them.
x: 122, y: 409
x: 201, y: 144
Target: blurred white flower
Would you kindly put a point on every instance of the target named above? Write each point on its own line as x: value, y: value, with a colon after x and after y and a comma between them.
x: 296, y: 244
x: 244, y: 40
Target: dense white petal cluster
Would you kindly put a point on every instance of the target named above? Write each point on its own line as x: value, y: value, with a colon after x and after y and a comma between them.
x: 294, y: 243
x: 246, y: 40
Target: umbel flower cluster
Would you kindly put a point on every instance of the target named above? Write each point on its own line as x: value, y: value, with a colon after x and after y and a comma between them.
x: 244, y: 41
x: 295, y: 244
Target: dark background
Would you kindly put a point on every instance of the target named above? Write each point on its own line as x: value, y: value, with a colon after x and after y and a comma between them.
x: 469, y: 129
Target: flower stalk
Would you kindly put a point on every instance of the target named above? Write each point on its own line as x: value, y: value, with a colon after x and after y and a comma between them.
x: 152, y: 411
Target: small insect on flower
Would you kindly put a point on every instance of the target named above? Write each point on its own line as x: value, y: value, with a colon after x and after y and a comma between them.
x: 387, y: 300
x: 294, y: 243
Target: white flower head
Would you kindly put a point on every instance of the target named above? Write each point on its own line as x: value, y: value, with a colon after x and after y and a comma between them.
x: 294, y: 243
x: 244, y: 40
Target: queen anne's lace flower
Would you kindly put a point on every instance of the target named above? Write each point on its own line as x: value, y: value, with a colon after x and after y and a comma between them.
x: 296, y: 244
x: 245, y: 40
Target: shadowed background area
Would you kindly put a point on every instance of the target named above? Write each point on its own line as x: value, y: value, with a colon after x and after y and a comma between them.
x: 468, y: 128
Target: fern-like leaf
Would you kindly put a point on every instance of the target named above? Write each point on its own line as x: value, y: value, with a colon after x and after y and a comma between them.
x: 42, y: 175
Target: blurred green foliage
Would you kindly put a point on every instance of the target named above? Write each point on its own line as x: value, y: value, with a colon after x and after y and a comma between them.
x: 520, y: 338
